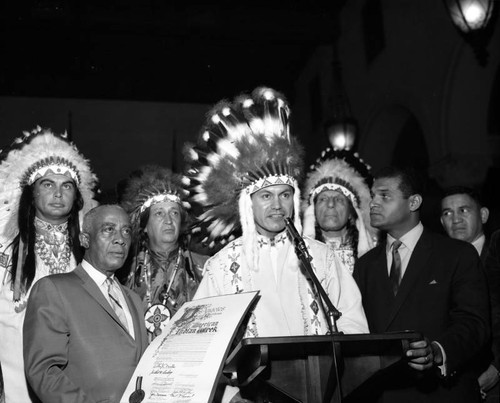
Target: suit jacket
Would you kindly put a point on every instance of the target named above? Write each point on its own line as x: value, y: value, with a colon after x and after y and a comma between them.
x: 75, y: 347
x: 491, y: 261
x: 484, y: 251
x: 444, y: 295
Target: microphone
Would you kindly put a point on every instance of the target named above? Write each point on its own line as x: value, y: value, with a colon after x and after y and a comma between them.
x: 297, y: 239
x: 331, y: 313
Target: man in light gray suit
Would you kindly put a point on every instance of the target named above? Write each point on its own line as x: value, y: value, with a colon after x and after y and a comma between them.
x: 83, y: 332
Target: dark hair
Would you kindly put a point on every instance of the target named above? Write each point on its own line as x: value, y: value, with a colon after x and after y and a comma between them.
x: 472, y: 193
x: 27, y: 232
x: 410, y: 181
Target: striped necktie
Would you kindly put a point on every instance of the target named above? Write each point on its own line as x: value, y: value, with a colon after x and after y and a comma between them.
x: 395, y: 273
x: 115, y: 302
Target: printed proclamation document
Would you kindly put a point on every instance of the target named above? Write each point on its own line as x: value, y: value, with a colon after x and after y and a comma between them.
x: 182, y: 364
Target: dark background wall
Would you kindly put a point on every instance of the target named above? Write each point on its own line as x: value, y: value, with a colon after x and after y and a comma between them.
x: 132, y: 80
x: 116, y: 136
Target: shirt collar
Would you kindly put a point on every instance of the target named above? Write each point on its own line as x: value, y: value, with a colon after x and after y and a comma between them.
x: 278, y: 240
x: 98, y: 277
x: 479, y: 243
x: 410, y: 239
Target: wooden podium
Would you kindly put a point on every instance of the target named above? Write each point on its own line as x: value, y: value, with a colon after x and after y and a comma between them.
x: 302, y: 368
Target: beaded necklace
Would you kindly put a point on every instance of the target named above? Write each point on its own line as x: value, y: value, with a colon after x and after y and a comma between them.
x: 157, y: 315
x: 52, y: 245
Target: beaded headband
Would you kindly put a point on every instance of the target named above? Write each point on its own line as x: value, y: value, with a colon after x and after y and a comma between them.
x: 149, y: 185
x: 159, y: 198
x: 338, y: 187
x: 52, y: 165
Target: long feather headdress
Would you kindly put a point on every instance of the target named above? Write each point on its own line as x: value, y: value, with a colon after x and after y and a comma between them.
x: 32, y: 156
x: 346, y: 173
x: 245, y: 146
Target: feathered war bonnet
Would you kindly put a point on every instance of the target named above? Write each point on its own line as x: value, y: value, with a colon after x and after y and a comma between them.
x: 149, y: 185
x: 346, y: 173
x: 31, y: 157
x: 245, y: 146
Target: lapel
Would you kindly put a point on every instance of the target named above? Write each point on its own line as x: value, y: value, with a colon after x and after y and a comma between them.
x: 136, y: 313
x: 382, y: 272
x: 484, y: 250
x: 91, y: 287
x: 417, y: 267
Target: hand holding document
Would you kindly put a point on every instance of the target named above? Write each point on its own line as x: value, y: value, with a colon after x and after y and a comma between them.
x: 184, y: 363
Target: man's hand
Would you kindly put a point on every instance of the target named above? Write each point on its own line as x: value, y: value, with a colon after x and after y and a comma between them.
x: 423, y: 355
x: 488, y: 379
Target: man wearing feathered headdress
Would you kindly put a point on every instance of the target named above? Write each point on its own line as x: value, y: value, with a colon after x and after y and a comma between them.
x: 244, y: 173
x: 337, y: 205
x: 164, y: 271
x: 45, y: 183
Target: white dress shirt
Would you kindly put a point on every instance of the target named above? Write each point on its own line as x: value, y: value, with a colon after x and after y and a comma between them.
x: 100, y: 279
x: 479, y: 244
x: 408, y: 242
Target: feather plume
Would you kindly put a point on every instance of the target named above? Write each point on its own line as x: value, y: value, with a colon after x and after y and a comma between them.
x: 243, y: 142
x: 30, y: 153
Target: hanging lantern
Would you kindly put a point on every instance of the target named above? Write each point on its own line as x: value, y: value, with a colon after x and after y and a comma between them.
x: 342, y: 128
x: 470, y: 15
x: 472, y: 18
x: 342, y: 133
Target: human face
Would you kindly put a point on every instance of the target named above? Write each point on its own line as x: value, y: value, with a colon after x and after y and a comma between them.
x: 332, y: 210
x: 164, y: 225
x: 108, y: 240
x: 462, y: 218
x: 389, y: 210
x: 271, y: 206
x: 54, y: 196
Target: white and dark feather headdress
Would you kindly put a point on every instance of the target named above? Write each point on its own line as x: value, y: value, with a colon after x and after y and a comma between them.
x: 149, y: 185
x: 245, y: 146
x: 36, y: 154
x: 344, y: 172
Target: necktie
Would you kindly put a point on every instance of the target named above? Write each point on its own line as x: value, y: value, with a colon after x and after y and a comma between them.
x: 395, y: 273
x: 115, y: 301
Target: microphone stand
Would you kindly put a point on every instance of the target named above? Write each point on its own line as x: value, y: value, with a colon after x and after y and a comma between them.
x: 331, y: 313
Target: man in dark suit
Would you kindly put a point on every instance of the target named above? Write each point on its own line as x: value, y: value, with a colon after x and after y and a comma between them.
x: 492, y: 267
x: 83, y: 332
x: 426, y: 282
x: 463, y: 216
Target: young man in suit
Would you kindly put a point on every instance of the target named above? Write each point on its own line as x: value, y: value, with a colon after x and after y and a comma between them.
x: 426, y: 282
x: 83, y: 331
x: 463, y: 216
x: 492, y: 268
